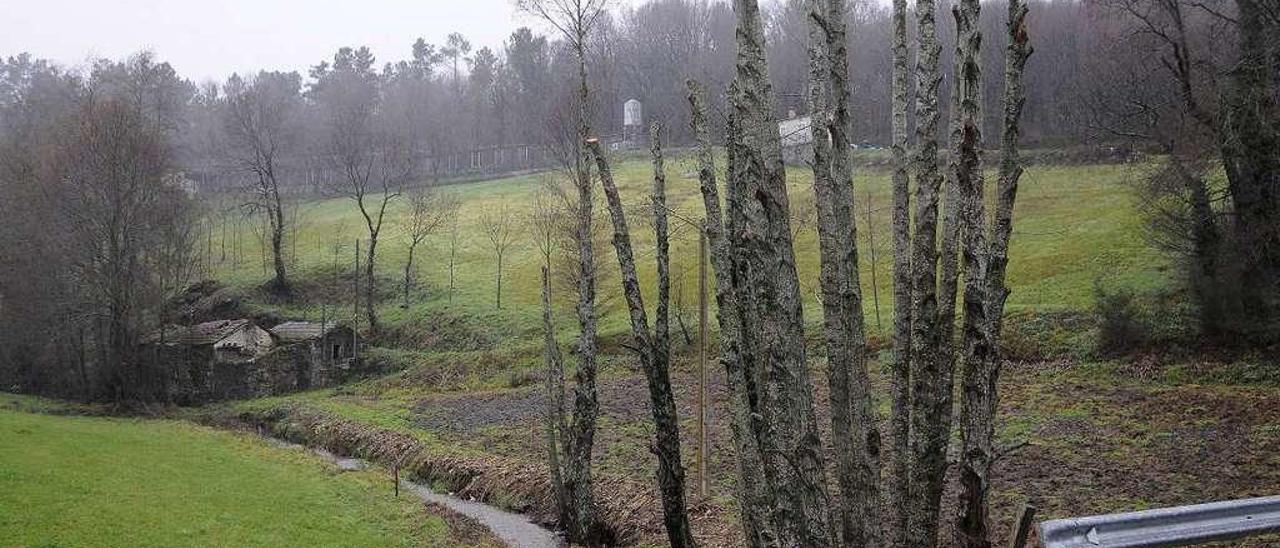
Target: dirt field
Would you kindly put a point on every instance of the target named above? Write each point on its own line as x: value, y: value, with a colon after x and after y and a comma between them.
x: 1097, y: 441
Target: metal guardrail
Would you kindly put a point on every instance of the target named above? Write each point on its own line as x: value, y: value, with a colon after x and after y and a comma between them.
x: 1176, y: 526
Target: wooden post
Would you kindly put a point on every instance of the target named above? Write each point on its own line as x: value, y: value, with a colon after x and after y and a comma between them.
x: 355, y: 280
x: 871, y: 242
x: 702, y: 360
x: 1022, y: 529
x: 395, y: 471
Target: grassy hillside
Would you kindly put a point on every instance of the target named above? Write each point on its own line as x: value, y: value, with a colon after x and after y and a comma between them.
x: 1095, y: 436
x: 80, y: 481
x: 1075, y: 225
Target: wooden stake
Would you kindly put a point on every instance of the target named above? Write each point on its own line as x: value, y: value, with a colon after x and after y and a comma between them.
x: 355, y: 279
x: 702, y: 360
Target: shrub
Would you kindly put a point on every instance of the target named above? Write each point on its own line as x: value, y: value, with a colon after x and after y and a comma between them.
x: 1121, y: 326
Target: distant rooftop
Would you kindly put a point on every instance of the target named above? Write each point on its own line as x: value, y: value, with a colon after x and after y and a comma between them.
x: 303, y: 331
x: 198, y: 335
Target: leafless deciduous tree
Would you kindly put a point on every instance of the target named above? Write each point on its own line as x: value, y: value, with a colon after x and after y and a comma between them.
x: 755, y: 499
x: 787, y: 504
x: 853, y: 429
x: 429, y: 209
x: 930, y: 371
x: 986, y: 258
x: 502, y: 229
x: 653, y: 347
x: 374, y: 156
x: 261, y: 120
x: 898, y: 492
x: 115, y: 196
x: 576, y: 20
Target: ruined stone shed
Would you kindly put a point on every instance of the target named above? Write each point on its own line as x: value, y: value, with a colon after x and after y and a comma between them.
x: 210, y: 360
x: 232, y: 359
x: 323, y: 353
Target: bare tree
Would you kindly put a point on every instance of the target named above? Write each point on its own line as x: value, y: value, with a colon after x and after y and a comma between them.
x: 755, y: 497
x: 452, y: 223
x: 374, y: 157
x: 899, y: 492
x: 501, y: 228
x: 260, y: 116
x: 853, y: 429
x: 787, y: 504
x: 428, y: 210
x: 130, y: 236
x: 986, y: 259
x: 576, y: 20
x: 931, y: 376
x: 557, y: 429
x: 653, y: 348
x: 547, y: 219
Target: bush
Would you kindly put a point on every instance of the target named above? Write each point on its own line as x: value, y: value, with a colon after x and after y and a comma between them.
x: 1122, y: 328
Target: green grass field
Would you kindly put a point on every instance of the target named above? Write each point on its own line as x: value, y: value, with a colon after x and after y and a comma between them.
x: 1074, y: 225
x: 1122, y: 429
x: 80, y: 481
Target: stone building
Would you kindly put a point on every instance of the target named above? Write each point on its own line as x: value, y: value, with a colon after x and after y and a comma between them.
x: 322, y: 353
x: 232, y: 359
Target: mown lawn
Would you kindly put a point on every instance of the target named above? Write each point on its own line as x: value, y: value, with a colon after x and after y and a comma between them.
x: 81, y: 481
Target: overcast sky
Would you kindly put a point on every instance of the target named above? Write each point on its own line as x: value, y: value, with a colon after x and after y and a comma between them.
x: 206, y: 39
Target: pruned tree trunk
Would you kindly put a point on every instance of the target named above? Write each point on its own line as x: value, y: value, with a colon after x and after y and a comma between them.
x: 898, y: 493
x: 929, y: 375
x: 762, y: 262
x: 583, y: 523
x: 651, y: 347
x: 966, y: 141
x: 754, y: 494
x: 853, y: 431
x: 985, y: 293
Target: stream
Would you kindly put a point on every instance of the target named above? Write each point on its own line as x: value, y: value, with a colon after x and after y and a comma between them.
x: 513, y: 529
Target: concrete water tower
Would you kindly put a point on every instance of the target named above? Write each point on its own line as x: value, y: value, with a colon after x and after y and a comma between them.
x: 632, y: 123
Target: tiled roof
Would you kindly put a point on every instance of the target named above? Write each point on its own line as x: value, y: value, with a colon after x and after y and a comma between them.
x: 302, y: 331
x: 201, y: 334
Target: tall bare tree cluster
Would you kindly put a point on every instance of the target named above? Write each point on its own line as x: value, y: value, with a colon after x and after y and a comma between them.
x: 87, y: 168
x: 783, y: 489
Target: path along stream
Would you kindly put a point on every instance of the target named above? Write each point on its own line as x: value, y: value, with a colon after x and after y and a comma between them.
x: 513, y: 529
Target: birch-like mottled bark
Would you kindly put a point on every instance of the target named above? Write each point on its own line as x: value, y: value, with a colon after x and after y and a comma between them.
x: 985, y: 295
x: 971, y: 528
x: 853, y: 430
x: 755, y: 498
x: 768, y: 297
x: 929, y: 435
x: 898, y: 492
x: 661, y: 401
x: 585, y: 527
x: 554, y: 383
